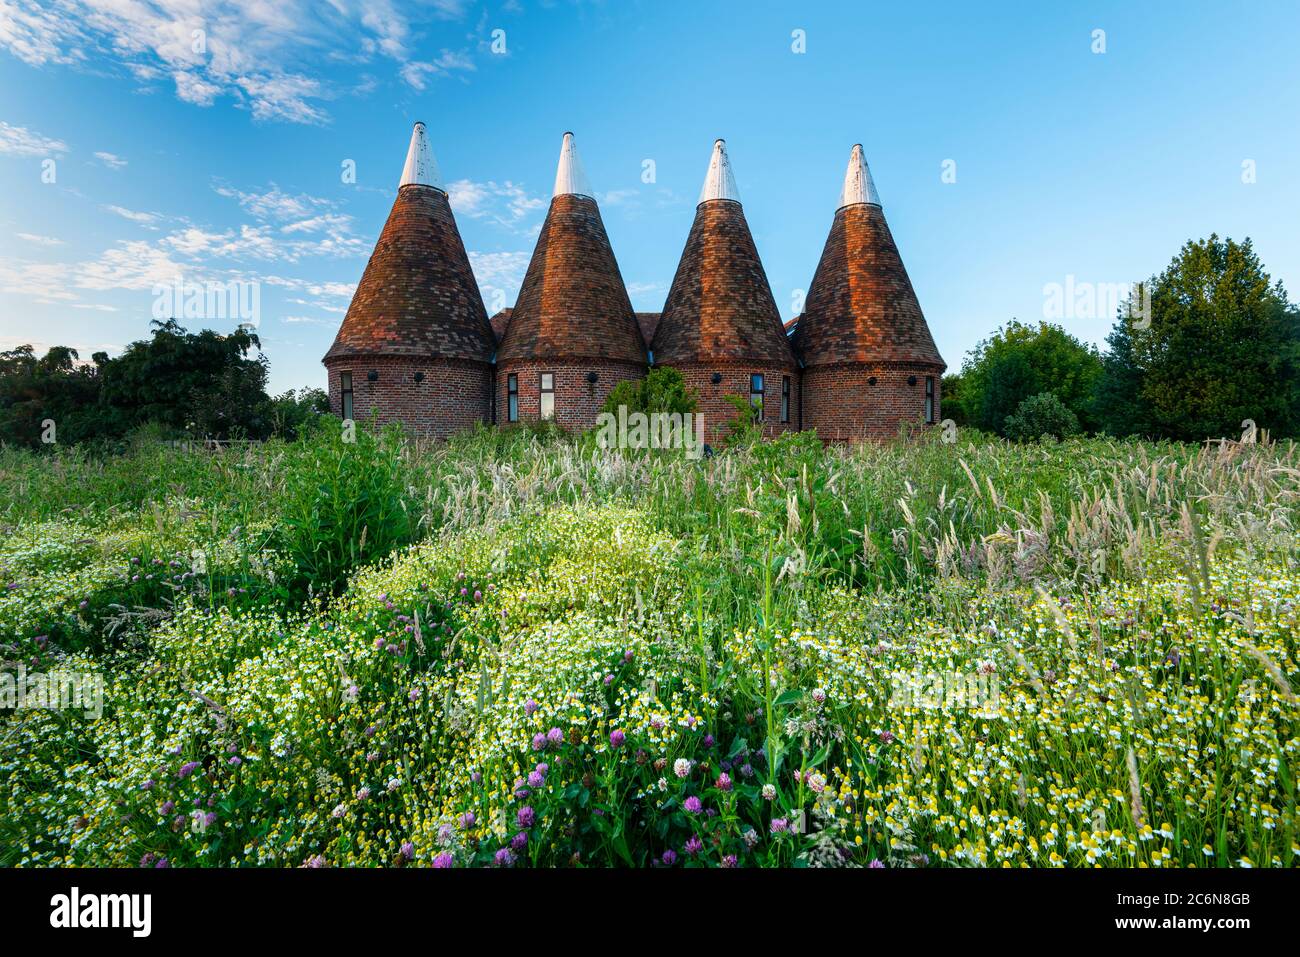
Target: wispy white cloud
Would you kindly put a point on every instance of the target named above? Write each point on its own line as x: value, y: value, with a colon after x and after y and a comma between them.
x: 274, y: 204
x: 312, y: 287
x: 284, y: 97
x: 111, y: 160
x: 192, y: 88
x: 323, y: 230
x: 418, y: 72
x: 264, y: 56
x: 326, y: 221
x: 136, y: 217
x: 617, y: 197
x: 131, y: 265
x: 193, y: 253
x: 500, y: 269
x: 20, y: 141
x: 647, y: 290
x: 499, y: 275
x: 37, y: 36
x: 506, y: 204
x: 42, y: 282
x: 39, y: 240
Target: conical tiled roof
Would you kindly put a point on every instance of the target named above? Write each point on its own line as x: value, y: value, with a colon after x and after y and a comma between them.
x: 720, y: 306
x: 417, y: 296
x: 572, y: 303
x: 861, y: 306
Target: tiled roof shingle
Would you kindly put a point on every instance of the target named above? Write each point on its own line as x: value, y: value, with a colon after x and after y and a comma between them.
x: 573, y: 302
x: 417, y: 296
x: 720, y: 306
x: 861, y: 306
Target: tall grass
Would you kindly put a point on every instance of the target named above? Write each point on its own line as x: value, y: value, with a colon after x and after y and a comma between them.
x: 756, y: 609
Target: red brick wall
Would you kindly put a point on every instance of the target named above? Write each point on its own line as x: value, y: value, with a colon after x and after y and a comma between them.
x: 718, y: 412
x: 577, y: 401
x: 840, y: 402
x: 454, y: 394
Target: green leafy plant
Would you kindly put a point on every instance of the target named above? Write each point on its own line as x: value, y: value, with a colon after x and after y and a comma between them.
x: 1041, y: 415
x: 344, y: 504
x: 662, y: 390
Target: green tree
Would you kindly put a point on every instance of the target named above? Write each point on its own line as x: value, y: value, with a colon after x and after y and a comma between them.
x: 296, y: 413
x: 952, y: 391
x: 1008, y: 379
x: 1117, y: 406
x: 1222, y: 346
x: 57, y: 388
x: 1020, y: 361
x: 204, y: 383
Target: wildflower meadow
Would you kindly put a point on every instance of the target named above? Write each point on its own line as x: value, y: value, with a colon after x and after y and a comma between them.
x: 523, y: 649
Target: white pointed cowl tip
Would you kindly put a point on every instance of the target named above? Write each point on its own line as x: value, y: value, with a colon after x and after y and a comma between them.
x: 719, y: 183
x: 859, y: 187
x: 421, y: 168
x: 569, y: 175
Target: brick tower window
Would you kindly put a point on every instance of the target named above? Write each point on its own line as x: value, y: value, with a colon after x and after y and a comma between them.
x: 756, y: 394
x: 512, y: 401
x: 785, y: 398
x: 929, y: 400
x: 345, y: 386
x: 546, y: 399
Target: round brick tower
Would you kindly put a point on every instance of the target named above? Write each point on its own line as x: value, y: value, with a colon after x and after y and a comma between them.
x: 720, y: 326
x: 870, y: 364
x: 571, y: 336
x: 415, y: 346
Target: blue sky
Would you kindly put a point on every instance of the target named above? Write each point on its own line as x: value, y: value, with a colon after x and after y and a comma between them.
x: 1072, y: 166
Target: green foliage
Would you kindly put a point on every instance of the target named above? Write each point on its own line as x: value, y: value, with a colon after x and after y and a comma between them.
x: 953, y: 396
x: 608, y: 661
x: 1009, y: 379
x: 1020, y: 361
x: 1041, y: 415
x: 662, y: 390
x: 745, y: 430
x: 297, y: 413
x: 1118, y: 407
x: 1222, y: 346
x: 202, y: 383
x: 179, y: 384
x: 343, y: 503
x: 56, y: 387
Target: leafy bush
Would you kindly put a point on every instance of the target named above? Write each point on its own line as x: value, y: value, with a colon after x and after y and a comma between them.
x: 343, y: 504
x: 1040, y: 415
x: 296, y: 413
x: 662, y: 390
x: 1015, y: 363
